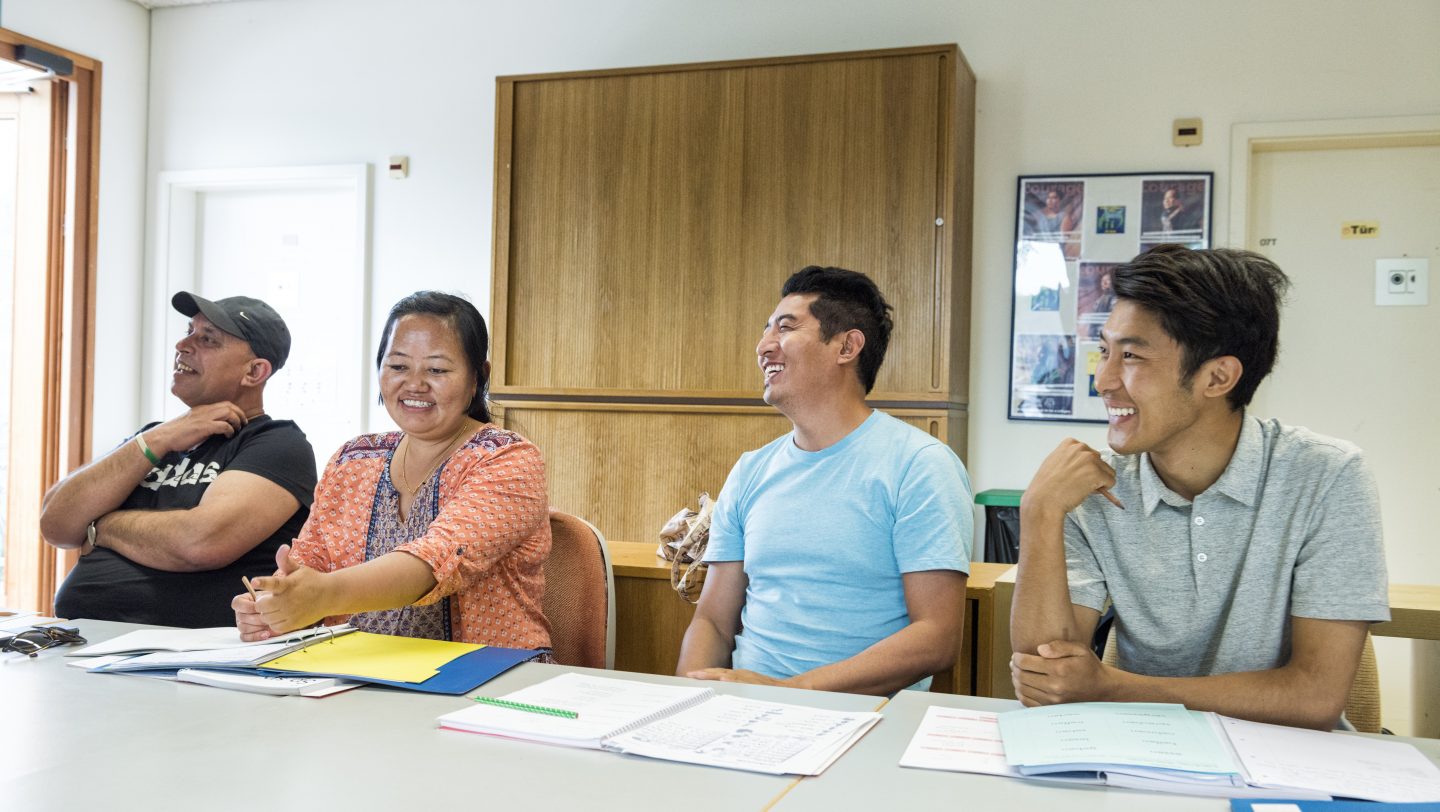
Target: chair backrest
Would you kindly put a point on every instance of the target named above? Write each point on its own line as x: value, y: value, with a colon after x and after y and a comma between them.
x: 1362, y: 706
x: 579, y: 594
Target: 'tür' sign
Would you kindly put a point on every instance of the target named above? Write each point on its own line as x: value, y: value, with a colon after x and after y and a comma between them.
x: 1360, y: 230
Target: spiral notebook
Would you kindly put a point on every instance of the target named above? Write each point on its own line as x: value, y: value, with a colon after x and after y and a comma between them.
x: 606, y: 707
x: 673, y: 722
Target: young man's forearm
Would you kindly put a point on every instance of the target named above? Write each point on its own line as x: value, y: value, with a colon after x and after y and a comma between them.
x: 1041, y: 610
x: 1282, y: 696
x: 894, y: 663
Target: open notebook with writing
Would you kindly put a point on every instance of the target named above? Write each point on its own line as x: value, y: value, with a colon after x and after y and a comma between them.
x: 674, y: 722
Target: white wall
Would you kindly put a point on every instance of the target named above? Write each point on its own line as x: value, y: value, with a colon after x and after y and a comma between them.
x: 117, y: 33
x: 1063, y: 87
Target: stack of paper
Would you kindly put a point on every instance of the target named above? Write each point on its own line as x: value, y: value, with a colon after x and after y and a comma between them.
x: 220, y: 637
x: 431, y: 666
x: 1166, y: 748
x: 677, y: 723
x: 1134, y: 744
x: 247, y: 656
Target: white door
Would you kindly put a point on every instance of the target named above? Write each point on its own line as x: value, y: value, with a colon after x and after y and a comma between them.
x: 296, y: 239
x: 1351, y: 369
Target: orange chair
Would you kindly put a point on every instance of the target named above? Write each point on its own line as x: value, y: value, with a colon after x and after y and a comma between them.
x: 579, y: 593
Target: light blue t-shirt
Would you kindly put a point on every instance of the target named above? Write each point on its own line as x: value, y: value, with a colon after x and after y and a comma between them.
x: 826, y: 535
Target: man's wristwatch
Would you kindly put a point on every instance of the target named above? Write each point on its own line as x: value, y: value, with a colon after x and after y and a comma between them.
x: 89, y: 546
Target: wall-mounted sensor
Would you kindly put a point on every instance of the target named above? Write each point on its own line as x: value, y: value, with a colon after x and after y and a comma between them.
x: 399, y: 167
x: 1188, y: 132
x: 1404, y: 281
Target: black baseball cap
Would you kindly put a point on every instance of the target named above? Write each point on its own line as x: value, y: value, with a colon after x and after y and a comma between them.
x: 242, y: 317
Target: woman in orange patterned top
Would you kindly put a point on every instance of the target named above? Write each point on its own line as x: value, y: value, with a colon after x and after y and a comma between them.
x: 440, y: 530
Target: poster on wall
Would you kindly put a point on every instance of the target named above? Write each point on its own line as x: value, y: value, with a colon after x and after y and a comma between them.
x: 1071, y: 232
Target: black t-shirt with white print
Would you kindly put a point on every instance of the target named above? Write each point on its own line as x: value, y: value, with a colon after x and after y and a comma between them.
x: 108, y: 586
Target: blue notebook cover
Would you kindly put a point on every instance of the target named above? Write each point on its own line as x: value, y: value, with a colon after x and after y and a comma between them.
x: 1253, y: 805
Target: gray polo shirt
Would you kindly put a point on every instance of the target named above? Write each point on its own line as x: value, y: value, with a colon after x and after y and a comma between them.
x: 1291, y: 528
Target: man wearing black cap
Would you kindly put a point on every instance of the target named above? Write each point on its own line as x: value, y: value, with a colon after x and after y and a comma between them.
x: 168, y: 522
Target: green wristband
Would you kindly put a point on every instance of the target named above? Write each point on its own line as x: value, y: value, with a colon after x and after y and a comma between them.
x: 145, y: 449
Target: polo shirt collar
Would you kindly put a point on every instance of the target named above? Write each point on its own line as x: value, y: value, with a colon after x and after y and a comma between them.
x: 1240, y: 480
x: 1153, y: 490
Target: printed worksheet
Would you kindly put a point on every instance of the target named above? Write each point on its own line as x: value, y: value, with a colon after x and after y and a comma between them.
x: 960, y: 740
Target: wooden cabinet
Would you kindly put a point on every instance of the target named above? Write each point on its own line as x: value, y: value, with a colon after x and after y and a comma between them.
x: 645, y: 220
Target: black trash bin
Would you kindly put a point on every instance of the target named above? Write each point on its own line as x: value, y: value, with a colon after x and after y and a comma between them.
x: 1002, y: 524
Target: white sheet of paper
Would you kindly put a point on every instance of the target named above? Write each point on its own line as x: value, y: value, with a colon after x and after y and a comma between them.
x: 1342, y: 765
x: 960, y: 740
x: 96, y: 662
x: 23, y: 622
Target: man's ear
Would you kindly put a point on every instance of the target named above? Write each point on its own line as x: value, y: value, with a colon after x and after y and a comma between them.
x: 851, y: 343
x: 1220, y: 375
x: 258, y: 372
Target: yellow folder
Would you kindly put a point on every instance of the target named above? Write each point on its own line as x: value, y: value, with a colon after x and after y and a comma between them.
x: 374, y: 656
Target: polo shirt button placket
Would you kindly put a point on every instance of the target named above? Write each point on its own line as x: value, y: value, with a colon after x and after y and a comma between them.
x: 1200, y: 558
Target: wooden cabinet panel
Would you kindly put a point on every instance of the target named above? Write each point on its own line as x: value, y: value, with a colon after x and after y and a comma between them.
x: 841, y: 170
x: 646, y: 219
x: 624, y: 205
x: 627, y: 468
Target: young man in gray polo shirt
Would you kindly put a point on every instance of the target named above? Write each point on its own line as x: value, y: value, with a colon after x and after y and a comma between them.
x: 1246, y: 562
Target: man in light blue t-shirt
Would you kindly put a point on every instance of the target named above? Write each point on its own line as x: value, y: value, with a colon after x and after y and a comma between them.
x: 839, y: 552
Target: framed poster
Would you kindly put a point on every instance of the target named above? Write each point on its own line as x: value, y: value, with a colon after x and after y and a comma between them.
x: 1071, y: 231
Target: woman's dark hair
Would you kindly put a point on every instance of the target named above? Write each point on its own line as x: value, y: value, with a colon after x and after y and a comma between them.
x: 469, y: 327
x: 1212, y: 303
x: 847, y: 300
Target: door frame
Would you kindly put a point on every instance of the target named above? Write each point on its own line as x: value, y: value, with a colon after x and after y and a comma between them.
x: 1246, y: 139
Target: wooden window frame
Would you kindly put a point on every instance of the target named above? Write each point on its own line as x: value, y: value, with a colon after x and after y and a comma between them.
x: 69, y: 355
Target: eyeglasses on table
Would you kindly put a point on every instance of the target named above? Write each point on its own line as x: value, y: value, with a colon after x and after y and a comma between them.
x: 39, y: 638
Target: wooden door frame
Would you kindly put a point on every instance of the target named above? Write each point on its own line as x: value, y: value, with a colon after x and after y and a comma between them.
x: 68, y: 392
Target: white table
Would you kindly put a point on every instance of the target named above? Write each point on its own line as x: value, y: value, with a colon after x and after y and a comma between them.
x: 73, y: 740
x: 869, y: 776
